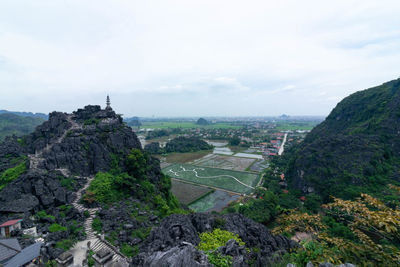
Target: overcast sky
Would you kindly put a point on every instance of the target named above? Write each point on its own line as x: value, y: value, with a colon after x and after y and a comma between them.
x: 195, y: 58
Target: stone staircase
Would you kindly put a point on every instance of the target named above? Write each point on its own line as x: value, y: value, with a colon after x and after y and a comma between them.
x: 98, y: 243
x: 102, y: 244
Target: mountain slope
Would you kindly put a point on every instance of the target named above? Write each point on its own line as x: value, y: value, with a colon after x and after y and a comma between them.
x: 19, y: 125
x: 25, y: 114
x: 84, y: 177
x: 356, y: 148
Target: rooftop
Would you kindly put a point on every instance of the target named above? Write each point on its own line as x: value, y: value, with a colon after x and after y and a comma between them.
x: 12, y: 222
x: 8, y: 248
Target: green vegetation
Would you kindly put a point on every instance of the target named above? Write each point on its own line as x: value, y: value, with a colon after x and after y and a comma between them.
x: 97, y: 225
x: 210, y: 242
x: 217, y: 238
x: 355, y: 150
x: 295, y: 125
x: 263, y: 209
x: 186, y: 144
x: 220, y: 178
x: 55, y: 227
x: 11, y: 124
x: 13, y: 173
x: 157, y: 134
x: 65, y: 244
x: 91, y: 261
x: 67, y: 182
x: 202, y: 121
x: 42, y: 214
x: 141, y: 233
x: 127, y: 250
x: 363, y: 231
x: 234, y: 141
x: 91, y: 121
x: 115, y: 185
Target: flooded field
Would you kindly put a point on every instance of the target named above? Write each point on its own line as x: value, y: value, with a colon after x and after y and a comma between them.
x: 187, y: 193
x: 216, y: 201
x: 223, y: 151
x: 225, y: 162
x: 246, y: 155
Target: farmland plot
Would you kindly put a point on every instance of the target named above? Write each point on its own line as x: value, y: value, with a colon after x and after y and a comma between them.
x: 240, y: 182
x: 225, y: 162
x: 188, y: 193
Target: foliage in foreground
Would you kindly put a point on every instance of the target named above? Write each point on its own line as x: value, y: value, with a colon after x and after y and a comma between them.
x: 115, y: 185
x: 374, y: 238
x: 210, y: 242
x: 11, y: 174
x: 263, y: 209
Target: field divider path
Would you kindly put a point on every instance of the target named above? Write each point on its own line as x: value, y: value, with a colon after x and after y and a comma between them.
x: 200, y: 177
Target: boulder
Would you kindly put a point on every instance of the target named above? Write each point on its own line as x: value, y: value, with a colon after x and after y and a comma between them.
x: 183, y: 255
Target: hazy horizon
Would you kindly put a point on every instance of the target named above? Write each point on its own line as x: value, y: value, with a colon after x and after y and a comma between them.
x: 195, y: 59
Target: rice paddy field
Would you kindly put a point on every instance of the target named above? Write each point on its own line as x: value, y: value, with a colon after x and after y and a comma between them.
x: 235, y: 181
x: 188, y: 193
x: 216, y: 201
x: 225, y: 162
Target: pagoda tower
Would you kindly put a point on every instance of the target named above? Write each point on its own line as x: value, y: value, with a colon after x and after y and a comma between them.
x: 108, y: 102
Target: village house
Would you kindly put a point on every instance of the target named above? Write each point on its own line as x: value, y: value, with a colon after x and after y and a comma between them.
x: 9, y: 226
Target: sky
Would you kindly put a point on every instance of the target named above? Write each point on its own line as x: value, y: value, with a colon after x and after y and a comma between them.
x: 195, y: 58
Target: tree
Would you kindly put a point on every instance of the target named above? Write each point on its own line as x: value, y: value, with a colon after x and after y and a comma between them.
x: 235, y: 141
x: 375, y: 231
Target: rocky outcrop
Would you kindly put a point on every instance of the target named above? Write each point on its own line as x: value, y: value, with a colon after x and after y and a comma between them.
x: 92, y: 136
x: 67, y: 145
x: 36, y: 190
x: 176, y: 229
x: 184, y: 254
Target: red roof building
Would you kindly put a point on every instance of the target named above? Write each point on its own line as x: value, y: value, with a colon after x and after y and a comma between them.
x: 7, y: 227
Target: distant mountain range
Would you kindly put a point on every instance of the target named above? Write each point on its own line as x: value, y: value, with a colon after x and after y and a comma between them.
x: 15, y: 124
x: 25, y: 114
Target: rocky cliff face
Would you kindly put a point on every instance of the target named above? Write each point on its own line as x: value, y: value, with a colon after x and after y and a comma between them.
x: 66, y: 146
x: 356, y: 148
x: 173, y: 242
x: 62, y: 157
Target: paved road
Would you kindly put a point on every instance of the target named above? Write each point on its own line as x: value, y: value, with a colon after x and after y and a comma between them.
x: 282, y: 148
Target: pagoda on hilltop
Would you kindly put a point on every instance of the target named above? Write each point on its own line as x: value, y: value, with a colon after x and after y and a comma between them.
x: 108, y: 103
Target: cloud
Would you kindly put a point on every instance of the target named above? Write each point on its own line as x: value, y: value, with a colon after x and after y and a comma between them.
x: 251, y: 53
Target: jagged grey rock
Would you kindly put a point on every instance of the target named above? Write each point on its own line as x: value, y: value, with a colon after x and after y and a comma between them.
x: 179, y: 228
x: 183, y: 255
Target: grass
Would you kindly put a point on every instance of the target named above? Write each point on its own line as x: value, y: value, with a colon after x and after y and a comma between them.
x: 55, y: 227
x: 186, y: 125
x: 11, y: 174
x: 293, y: 126
x: 186, y: 157
x: 225, y: 182
x: 187, y: 193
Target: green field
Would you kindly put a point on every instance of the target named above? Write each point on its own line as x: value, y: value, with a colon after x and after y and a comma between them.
x: 293, y: 126
x: 240, y: 182
x: 185, y: 125
x: 215, y: 201
x: 188, y: 193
